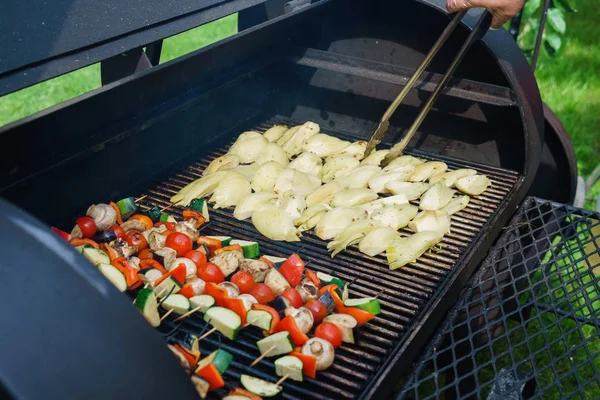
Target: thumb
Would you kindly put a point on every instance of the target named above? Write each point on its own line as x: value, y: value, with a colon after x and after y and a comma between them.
x: 458, y: 5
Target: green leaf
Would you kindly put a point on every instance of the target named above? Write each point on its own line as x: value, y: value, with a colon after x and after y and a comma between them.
x: 556, y: 19
x: 554, y: 41
x: 531, y: 6
x: 528, y: 34
x: 565, y: 5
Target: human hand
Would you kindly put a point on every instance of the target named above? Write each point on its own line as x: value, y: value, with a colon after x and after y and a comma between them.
x: 501, y: 10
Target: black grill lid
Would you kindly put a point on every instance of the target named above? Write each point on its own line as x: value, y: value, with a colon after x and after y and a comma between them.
x: 41, y: 40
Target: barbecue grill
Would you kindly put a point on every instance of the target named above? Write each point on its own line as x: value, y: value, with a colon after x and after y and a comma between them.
x: 153, y: 132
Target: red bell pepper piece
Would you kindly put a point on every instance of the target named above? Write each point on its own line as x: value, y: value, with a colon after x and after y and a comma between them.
x: 313, y: 277
x: 187, y: 291
x: 212, y: 376
x: 189, y: 214
x: 267, y: 261
x: 169, y: 225
x: 289, y: 324
x: 149, y: 263
x: 191, y: 359
x: 270, y: 310
x: 217, y: 292
x: 292, y: 269
x: 212, y: 244
x: 178, y: 273
x: 309, y: 363
x: 244, y: 393
x: 237, y: 306
x: 118, y: 211
x: 332, y: 289
x: 228, y: 248
x: 64, y: 235
x: 78, y: 242
x: 131, y: 275
x: 361, y: 316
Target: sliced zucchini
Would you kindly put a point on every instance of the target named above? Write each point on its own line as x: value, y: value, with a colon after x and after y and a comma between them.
x: 260, y: 319
x: 96, y: 256
x: 226, y: 321
x: 277, y: 261
x: 166, y: 287
x: 290, y: 366
x: 260, y: 387
x: 347, y: 325
x: 250, y: 249
x: 225, y: 240
x: 150, y: 275
x: 201, y: 206
x: 221, y: 359
x: 127, y: 207
x: 370, y: 304
x: 178, y: 302
x: 147, y: 304
x: 203, y: 301
x: 324, y: 278
x: 114, y: 275
x: 281, y: 343
x: 82, y: 247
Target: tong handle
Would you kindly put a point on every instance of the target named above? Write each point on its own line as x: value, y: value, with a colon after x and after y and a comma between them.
x: 482, y: 26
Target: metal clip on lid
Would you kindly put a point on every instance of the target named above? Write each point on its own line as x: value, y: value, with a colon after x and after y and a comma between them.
x: 482, y: 26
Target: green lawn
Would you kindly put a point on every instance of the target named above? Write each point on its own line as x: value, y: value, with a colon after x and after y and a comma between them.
x: 569, y: 83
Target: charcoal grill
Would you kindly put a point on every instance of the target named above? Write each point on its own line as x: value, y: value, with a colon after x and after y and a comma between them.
x: 153, y: 132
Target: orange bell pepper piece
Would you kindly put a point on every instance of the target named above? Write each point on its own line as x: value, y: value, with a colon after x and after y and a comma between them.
x: 228, y: 248
x: 212, y: 376
x: 217, y: 292
x: 148, y: 263
x: 118, y: 211
x: 309, y: 363
x: 78, y: 242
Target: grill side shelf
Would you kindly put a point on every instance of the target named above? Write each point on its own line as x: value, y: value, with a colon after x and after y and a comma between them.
x: 407, y: 290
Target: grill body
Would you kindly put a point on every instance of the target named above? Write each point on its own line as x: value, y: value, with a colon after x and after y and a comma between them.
x: 154, y: 132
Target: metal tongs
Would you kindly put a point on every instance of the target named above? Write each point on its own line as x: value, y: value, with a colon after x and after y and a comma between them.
x: 477, y: 33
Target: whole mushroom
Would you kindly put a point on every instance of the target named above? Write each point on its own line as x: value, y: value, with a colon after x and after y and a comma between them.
x: 104, y: 215
x: 322, y: 350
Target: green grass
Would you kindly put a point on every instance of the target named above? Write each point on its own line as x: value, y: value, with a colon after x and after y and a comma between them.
x: 569, y: 83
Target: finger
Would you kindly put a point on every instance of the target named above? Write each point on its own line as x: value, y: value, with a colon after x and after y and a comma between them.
x: 458, y: 5
x: 499, y: 19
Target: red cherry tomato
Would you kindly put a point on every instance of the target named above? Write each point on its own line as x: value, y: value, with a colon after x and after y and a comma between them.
x: 137, y: 239
x: 262, y: 293
x: 209, y: 272
x: 243, y: 280
x: 180, y: 242
x: 87, y: 226
x: 197, y: 257
x: 317, y: 309
x: 330, y: 332
x: 120, y: 232
x: 293, y: 296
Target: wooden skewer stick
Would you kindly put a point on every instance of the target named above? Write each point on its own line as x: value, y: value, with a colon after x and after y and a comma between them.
x: 167, y: 314
x: 141, y: 198
x: 380, y: 293
x: 207, y: 334
x: 167, y: 207
x: 283, y: 378
x: 187, y: 314
x: 263, y: 355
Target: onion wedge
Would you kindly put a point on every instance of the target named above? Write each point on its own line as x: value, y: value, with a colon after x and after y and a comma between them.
x: 395, y: 216
x: 296, y: 182
x: 456, y: 204
x: 334, y: 221
x: 311, y: 216
x: 274, y: 223
x: 373, y: 206
x: 324, y: 145
x: 377, y: 241
x: 223, y: 163
x: 294, y: 144
x: 438, y: 221
x: 356, y: 149
x: 249, y: 204
x: 288, y: 134
x: 250, y: 149
x: 275, y: 133
x: 412, y: 190
x: 452, y: 176
x: 402, y: 174
x: 408, y: 249
x: 375, y: 158
x: 353, y: 197
x: 273, y: 152
x: 231, y: 190
x: 324, y: 194
x: 266, y: 177
x: 247, y: 170
x: 427, y: 170
x: 337, y: 166
x: 293, y: 205
x: 403, y: 161
x: 353, y: 233
x: 436, y: 196
x: 199, y: 188
x: 473, y: 185
x: 307, y: 162
x: 358, y: 178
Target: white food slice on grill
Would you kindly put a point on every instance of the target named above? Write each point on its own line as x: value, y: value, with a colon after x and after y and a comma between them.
x: 438, y: 221
x: 473, y: 185
x: 249, y: 149
x: 287, y: 135
x: 275, y: 133
x: 351, y: 234
x: 232, y: 189
x: 266, y: 177
x: 408, y: 249
x: 334, y: 221
x: 452, y: 176
x: 223, y: 163
x: 337, y: 166
x: 427, y: 170
x: 307, y: 162
x: 353, y: 197
x: 324, y: 194
x: 358, y: 178
x: 311, y: 216
x: 294, y: 144
x: 293, y: 204
x: 412, y: 190
x: 274, y: 223
x: 403, y: 161
x: 199, y: 188
x: 290, y: 180
x: 436, y: 196
x: 375, y: 158
x: 377, y: 241
x: 375, y: 205
x: 273, y: 152
x: 325, y: 145
x: 378, y: 182
x: 395, y: 216
x: 249, y: 204
x: 457, y: 204
x: 355, y: 149
x: 247, y: 170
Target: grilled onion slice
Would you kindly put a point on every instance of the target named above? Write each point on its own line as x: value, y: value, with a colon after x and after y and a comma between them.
x: 375, y: 158
x: 266, y: 177
x: 199, y: 188
x: 294, y: 144
x: 249, y: 204
x: 395, y: 216
x: 452, y: 176
x: 378, y: 182
x: 273, y: 152
x: 324, y: 145
x: 297, y: 182
x: 337, y: 166
x: 456, y: 204
x: 353, y: 197
x: 412, y: 190
x: 353, y: 233
x: 377, y: 241
x: 223, y: 163
x: 231, y: 190
x: 311, y: 216
x: 334, y: 221
x: 274, y: 223
x: 427, y: 170
x: 436, y: 196
x: 473, y: 185
x: 324, y: 194
x: 275, y: 133
x: 408, y: 249
x: 358, y: 178
x: 438, y: 221
x: 307, y: 162
x: 250, y: 149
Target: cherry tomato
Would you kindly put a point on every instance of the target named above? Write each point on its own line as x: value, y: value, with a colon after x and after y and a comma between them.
x: 87, y: 226
x: 146, y: 254
x: 197, y: 257
x: 209, y: 272
x: 330, y: 332
x: 179, y: 242
x: 262, y: 293
x: 317, y: 309
x: 137, y: 239
x: 120, y: 232
x: 293, y: 296
x: 243, y: 280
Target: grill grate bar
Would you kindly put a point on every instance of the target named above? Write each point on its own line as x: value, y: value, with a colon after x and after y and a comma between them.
x: 406, y: 290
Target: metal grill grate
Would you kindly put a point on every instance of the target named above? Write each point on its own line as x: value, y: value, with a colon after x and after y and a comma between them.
x: 527, y: 326
x: 407, y: 290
